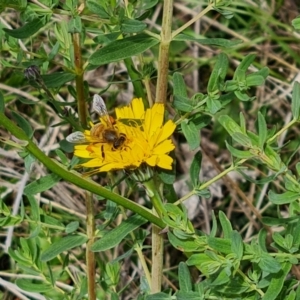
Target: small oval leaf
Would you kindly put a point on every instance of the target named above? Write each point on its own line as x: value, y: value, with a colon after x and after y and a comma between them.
x: 121, y: 49
x: 116, y: 235
x: 26, y: 31
x: 66, y: 243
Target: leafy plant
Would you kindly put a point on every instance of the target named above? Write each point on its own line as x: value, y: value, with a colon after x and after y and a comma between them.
x: 52, y: 53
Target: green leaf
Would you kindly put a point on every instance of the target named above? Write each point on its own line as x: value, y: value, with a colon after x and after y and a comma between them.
x: 213, y: 105
x: 234, y: 130
x: 97, y: 9
x: 71, y: 227
x: 190, y: 295
x: 18, y: 257
x: 211, y: 41
x: 30, y: 286
x: 35, y: 210
x: 284, y: 198
x: 62, y: 156
x: 2, y: 102
x: 184, y: 277
x: 167, y: 176
x: 254, y: 80
x: 226, y: 225
x: 242, y: 95
x: 14, y: 4
x: 238, y: 153
x: 262, y: 130
x: 179, y: 86
x: 121, y: 49
x: 198, y: 259
x: 106, y: 38
x: 182, y: 103
x: 53, y: 53
x: 222, y: 245
x: 26, y: 31
x: 237, y: 245
x: 296, y: 100
x: 42, y: 184
x: 116, y: 235
x: 132, y: 26
x: 159, y: 296
x: 195, y: 168
x: 262, y: 237
x: 23, y: 124
x: 191, y: 134
x: 296, y: 24
x: 230, y: 125
x: 187, y: 245
x: 240, y: 72
x: 57, y: 79
x: 277, y: 282
x: 221, y: 279
x: 74, y: 25
x: 48, y: 220
x: 65, y: 244
x: 218, y: 74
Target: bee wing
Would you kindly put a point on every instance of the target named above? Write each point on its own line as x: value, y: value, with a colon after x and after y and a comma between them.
x: 99, y: 106
x: 76, y: 137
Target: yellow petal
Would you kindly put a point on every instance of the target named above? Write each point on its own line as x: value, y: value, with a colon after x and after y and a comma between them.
x: 165, y: 162
x: 154, y: 119
x: 164, y: 147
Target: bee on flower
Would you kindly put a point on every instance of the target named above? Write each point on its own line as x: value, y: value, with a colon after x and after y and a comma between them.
x: 121, y: 144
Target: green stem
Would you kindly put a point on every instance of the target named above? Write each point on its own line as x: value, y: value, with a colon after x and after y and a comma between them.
x: 155, y: 197
x: 75, y: 177
x: 283, y: 129
x: 209, y: 182
x: 163, y: 57
x: 193, y: 20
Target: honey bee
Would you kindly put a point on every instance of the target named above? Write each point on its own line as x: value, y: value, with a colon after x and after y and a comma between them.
x: 100, y: 132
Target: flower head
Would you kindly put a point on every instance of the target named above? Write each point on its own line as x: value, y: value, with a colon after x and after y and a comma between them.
x: 137, y: 137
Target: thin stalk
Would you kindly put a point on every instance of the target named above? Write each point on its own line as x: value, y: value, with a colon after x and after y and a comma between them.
x: 81, y: 104
x: 157, y: 238
x: 163, y: 57
x: 157, y: 259
x: 283, y: 129
x: 193, y: 20
x: 90, y: 256
x: 90, y: 218
x: 209, y: 182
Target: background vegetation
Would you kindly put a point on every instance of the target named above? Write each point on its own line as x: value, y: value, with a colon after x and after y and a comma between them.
x: 229, y: 81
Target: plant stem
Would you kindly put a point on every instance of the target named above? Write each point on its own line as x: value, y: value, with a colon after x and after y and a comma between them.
x: 157, y: 259
x: 163, y: 57
x: 157, y: 238
x: 155, y: 197
x: 75, y: 177
x: 283, y: 129
x: 209, y: 182
x: 81, y: 104
x: 90, y: 221
x: 90, y: 256
x: 193, y: 20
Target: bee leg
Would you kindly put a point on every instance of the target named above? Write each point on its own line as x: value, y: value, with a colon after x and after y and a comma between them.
x: 102, y: 152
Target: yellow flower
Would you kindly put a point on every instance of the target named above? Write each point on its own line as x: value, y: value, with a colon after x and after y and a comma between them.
x: 142, y: 138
